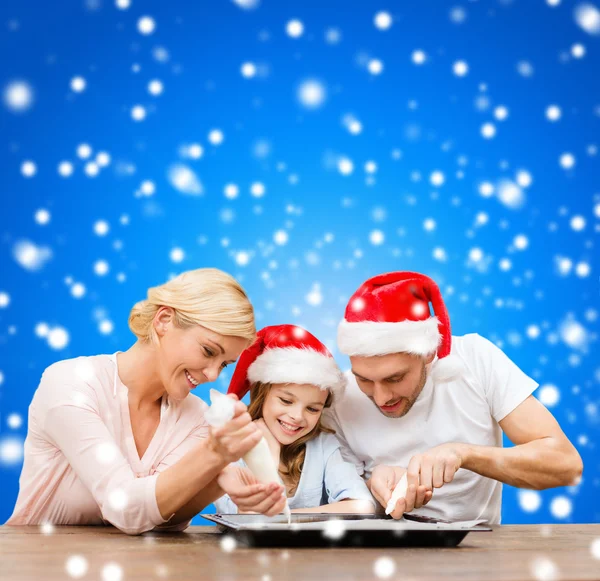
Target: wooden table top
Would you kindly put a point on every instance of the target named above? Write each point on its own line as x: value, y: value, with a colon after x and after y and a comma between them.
x: 511, y: 553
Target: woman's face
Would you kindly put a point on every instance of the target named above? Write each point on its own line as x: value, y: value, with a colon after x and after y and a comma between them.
x: 189, y: 357
x: 291, y: 411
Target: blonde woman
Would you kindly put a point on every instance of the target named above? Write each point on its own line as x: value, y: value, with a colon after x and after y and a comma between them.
x: 115, y: 439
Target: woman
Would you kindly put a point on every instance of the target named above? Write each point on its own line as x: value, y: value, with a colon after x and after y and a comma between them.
x: 292, y: 378
x: 115, y: 439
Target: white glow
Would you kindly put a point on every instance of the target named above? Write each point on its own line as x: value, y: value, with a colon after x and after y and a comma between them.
x: 76, y: 566
x: 146, y: 25
x: 294, y: 28
x: 312, y: 94
x: 18, y: 96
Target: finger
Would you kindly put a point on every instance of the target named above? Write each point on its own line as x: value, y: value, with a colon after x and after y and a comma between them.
x: 249, y: 502
x: 449, y: 472
x: 400, y: 509
x: 248, y: 494
x: 227, y: 429
x: 413, y: 471
x: 232, y: 449
x: 238, y: 422
x: 381, y: 492
x: 438, y: 474
x: 242, y: 433
x: 428, y: 497
x: 411, y: 495
x: 233, y: 396
x: 420, y: 498
x: 267, y: 503
x: 262, y: 492
x: 236, y: 438
x: 249, y: 443
x: 277, y: 508
x: 239, y: 408
x: 426, y: 478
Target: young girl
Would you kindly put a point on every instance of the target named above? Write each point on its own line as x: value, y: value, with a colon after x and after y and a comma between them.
x: 292, y: 377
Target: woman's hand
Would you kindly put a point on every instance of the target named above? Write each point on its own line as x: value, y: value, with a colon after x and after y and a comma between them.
x: 274, y: 444
x: 237, y: 437
x: 249, y: 494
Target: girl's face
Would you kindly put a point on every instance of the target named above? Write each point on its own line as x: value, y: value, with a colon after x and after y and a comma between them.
x: 189, y: 357
x: 291, y: 411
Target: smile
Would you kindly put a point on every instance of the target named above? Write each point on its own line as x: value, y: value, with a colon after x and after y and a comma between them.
x: 289, y: 428
x: 193, y: 382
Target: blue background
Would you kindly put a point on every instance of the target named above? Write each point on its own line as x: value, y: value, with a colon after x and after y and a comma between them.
x: 416, y: 119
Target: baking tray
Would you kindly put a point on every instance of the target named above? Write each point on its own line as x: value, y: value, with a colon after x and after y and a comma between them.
x: 343, y: 530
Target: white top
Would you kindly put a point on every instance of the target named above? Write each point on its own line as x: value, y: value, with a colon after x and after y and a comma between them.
x: 466, y: 410
x: 81, y: 465
x: 326, y: 478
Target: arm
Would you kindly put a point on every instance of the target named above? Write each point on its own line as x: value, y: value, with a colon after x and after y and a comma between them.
x: 129, y: 503
x: 223, y: 445
x: 542, y: 457
x: 203, y: 484
x: 135, y: 505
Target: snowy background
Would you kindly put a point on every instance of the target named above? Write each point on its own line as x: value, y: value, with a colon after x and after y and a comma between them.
x: 303, y: 147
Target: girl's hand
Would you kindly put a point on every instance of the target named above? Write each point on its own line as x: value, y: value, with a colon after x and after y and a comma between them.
x: 249, y: 494
x: 237, y: 437
x: 274, y: 444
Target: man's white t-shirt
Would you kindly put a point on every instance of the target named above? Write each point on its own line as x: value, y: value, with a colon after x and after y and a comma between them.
x: 465, y: 410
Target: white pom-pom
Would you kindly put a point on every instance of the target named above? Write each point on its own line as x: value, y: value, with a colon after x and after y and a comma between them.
x: 446, y: 369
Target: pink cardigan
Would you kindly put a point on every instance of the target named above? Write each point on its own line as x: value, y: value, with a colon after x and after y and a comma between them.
x: 81, y: 466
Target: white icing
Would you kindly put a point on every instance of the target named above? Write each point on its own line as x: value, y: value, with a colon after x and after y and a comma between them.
x: 259, y: 459
x: 398, y: 493
x: 221, y: 409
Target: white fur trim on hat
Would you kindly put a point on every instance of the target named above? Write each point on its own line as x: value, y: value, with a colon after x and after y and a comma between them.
x: 371, y: 338
x: 292, y: 365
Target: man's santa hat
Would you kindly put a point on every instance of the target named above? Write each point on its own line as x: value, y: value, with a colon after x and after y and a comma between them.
x: 286, y: 354
x: 389, y: 313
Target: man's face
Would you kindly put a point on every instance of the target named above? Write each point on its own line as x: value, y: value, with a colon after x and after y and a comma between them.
x: 392, y: 382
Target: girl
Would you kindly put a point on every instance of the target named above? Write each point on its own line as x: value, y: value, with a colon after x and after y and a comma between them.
x: 292, y: 377
x: 117, y: 439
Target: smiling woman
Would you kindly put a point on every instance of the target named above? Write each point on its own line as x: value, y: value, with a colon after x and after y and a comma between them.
x: 115, y: 439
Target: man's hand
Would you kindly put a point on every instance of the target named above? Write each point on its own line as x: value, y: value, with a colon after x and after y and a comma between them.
x: 382, y: 483
x: 435, y: 467
x: 274, y: 444
x: 249, y: 494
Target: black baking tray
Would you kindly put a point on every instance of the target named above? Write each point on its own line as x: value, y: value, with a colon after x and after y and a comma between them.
x: 326, y: 530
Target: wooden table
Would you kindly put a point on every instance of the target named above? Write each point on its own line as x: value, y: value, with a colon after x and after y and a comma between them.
x: 506, y: 554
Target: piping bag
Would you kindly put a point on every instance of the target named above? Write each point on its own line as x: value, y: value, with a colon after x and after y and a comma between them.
x: 399, y: 492
x: 259, y: 459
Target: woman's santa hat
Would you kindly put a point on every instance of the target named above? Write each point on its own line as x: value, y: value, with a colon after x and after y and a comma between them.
x: 389, y: 313
x: 286, y: 354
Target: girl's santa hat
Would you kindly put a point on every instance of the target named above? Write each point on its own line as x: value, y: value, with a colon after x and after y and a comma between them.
x: 286, y: 354
x: 389, y: 313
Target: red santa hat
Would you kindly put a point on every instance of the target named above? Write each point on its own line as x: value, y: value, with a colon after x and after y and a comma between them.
x: 389, y: 313
x: 286, y: 354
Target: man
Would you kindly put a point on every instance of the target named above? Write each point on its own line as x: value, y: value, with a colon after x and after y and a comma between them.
x: 435, y: 406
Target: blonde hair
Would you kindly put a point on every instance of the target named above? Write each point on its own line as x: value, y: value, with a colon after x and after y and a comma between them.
x: 292, y: 455
x: 205, y: 296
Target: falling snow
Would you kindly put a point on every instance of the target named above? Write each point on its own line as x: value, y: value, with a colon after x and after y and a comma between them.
x: 305, y: 153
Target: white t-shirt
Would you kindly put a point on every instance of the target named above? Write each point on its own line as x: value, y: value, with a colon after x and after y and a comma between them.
x: 466, y: 410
